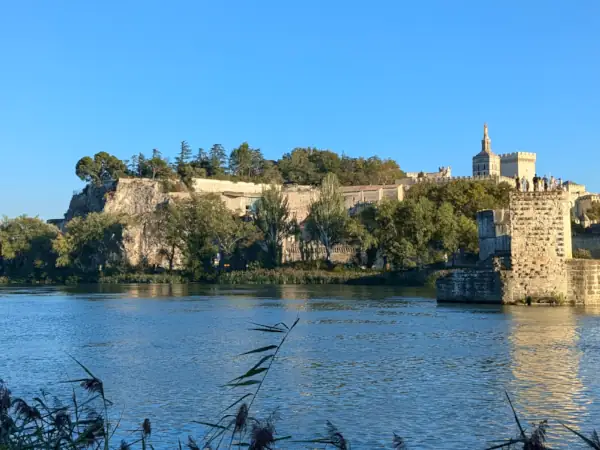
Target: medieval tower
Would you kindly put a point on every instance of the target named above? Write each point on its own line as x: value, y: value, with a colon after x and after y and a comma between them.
x: 487, y: 164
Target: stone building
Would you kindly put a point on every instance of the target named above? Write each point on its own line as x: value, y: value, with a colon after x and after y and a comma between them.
x: 585, y: 203
x: 488, y: 164
x: 521, y: 164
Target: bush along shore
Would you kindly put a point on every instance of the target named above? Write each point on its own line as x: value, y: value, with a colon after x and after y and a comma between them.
x: 290, y: 275
x: 85, y: 422
x: 282, y: 275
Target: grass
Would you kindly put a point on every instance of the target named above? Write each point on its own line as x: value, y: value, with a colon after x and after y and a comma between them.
x: 143, y: 278
x: 293, y: 274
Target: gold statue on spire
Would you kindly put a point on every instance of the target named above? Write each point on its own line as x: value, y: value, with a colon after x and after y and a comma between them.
x: 485, y: 130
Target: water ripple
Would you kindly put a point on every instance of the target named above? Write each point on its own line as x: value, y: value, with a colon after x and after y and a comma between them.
x: 368, y: 359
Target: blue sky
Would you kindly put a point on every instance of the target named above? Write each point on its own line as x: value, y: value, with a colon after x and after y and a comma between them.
x: 409, y: 80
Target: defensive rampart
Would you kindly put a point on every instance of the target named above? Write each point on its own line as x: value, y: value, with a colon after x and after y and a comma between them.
x: 541, y: 267
x: 138, y: 199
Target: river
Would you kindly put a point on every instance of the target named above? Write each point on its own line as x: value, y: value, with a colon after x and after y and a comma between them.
x: 371, y: 360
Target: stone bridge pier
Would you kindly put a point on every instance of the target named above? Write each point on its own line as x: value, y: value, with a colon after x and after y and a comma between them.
x: 539, y: 267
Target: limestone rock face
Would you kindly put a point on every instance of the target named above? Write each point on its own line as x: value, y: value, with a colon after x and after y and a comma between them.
x: 136, y: 199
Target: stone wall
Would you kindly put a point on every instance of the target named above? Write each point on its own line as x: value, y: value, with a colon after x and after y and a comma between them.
x: 540, y: 230
x: 341, y: 254
x: 583, y: 281
x: 138, y: 198
x: 589, y: 242
x: 470, y: 286
x: 541, y: 264
x: 494, y: 233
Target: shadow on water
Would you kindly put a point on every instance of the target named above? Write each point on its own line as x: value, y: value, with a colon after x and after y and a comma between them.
x: 192, y: 291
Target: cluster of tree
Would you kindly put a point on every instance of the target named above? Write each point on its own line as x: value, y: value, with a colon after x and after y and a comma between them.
x: 301, y: 166
x: 31, y: 249
x: 201, y: 234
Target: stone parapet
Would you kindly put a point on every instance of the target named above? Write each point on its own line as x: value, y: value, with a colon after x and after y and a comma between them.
x: 518, y: 155
x: 470, y: 286
x: 583, y: 281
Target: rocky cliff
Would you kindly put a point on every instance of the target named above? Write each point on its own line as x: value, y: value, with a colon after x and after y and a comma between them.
x: 134, y: 198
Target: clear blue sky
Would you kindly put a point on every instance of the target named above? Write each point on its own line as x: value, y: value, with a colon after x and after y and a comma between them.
x: 409, y: 80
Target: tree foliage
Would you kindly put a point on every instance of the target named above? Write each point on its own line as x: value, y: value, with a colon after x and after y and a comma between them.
x: 272, y: 218
x: 26, y: 248
x: 103, y: 167
x: 91, y: 244
x: 328, y: 217
x: 466, y: 196
x: 201, y: 229
x: 244, y: 163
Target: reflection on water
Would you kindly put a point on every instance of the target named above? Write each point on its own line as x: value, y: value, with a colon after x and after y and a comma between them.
x: 372, y: 360
x: 545, y: 364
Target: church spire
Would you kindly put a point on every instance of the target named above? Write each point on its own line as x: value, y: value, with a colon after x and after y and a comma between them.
x: 486, y: 142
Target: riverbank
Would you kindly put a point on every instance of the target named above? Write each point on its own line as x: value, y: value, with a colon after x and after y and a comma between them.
x: 284, y: 275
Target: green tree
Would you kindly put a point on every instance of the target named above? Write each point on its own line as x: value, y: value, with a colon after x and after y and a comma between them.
x: 328, y: 217
x: 447, y: 232
x: 362, y: 239
x: 103, y: 167
x: 468, y: 237
x: 385, y: 229
x: 26, y: 248
x: 155, y: 167
x: 272, y: 218
x: 270, y: 173
x: 184, y: 155
x: 231, y: 233
x: 217, y: 160
x: 166, y: 228
x: 296, y: 167
x: 466, y: 196
x: 92, y: 244
x: 241, y: 161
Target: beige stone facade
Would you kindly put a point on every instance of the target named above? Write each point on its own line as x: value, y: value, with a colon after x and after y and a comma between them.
x: 138, y: 199
x: 486, y: 163
x: 540, y: 267
x: 521, y: 164
x: 540, y: 230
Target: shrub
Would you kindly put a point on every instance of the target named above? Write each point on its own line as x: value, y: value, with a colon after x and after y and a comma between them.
x: 582, y: 253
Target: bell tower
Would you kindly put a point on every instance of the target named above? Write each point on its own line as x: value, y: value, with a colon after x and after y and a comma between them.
x: 486, y: 163
x: 486, y: 142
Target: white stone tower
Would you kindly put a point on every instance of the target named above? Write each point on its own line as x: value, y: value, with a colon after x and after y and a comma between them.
x: 518, y: 163
x: 486, y: 163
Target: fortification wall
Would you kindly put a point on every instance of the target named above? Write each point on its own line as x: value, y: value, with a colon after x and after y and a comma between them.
x: 470, y: 286
x: 540, y: 230
x: 340, y: 254
x: 589, y: 242
x: 218, y: 186
x: 583, y: 281
x: 518, y: 156
x: 494, y: 233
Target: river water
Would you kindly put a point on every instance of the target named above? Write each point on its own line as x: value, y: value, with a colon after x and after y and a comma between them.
x: 372, y: 360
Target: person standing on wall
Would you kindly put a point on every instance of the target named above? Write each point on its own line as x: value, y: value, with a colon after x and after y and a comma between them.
x: 536, y: 181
